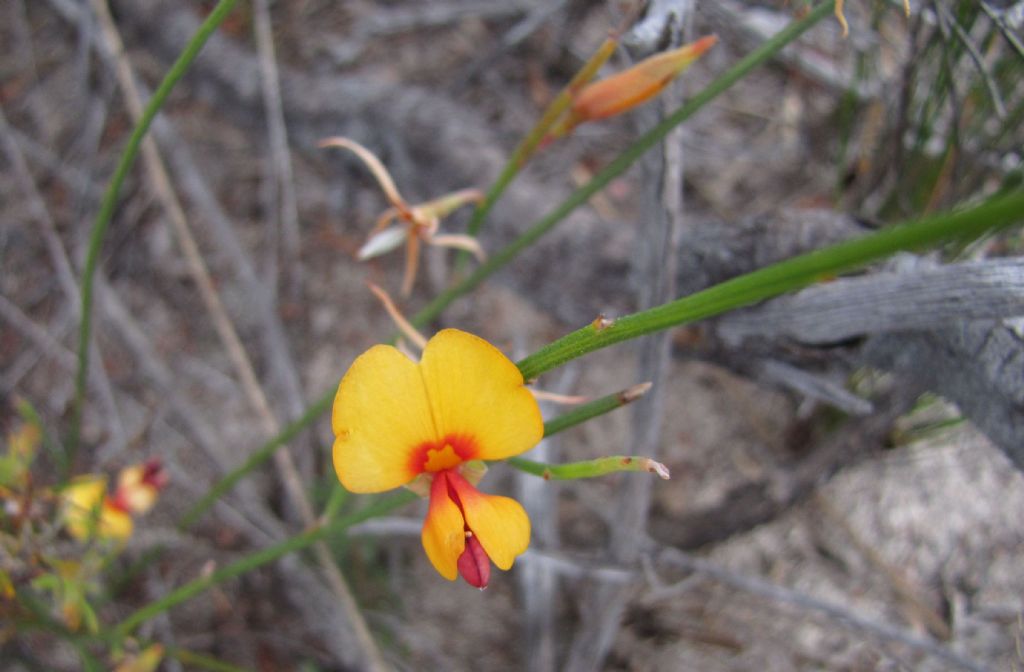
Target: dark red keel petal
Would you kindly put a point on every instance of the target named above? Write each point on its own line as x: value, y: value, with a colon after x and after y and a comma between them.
x: 474, y: 565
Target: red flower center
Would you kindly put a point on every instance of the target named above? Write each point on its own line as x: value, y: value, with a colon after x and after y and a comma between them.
x: 436, y: 456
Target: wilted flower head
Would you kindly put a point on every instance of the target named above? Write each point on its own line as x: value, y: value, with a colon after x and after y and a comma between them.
x: 418, y: 222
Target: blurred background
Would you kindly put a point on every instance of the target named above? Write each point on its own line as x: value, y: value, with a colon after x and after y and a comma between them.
x: 846, y: 487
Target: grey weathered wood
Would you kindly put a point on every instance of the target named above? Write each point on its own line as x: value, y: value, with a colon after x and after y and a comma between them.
x: 939, y: 327
x: 979, y: 365
x: 921, y: 299
x: 814, y: 386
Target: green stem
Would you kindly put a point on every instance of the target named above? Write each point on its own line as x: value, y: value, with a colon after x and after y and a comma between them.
x: 625, y: 160
x: 602, y: 466
x: 258, y: 559
x: 779, y: 278
x: 339, y: 495
x: 594, y: 408
x: 99, y: 227
x: 526, y: 148
x: 255, y: 460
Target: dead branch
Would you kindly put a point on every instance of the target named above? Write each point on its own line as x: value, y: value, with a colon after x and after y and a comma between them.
x: 282, y: 213
x: 976, y: 364
x: 39, y: 335
x: 932, y: 325
x: 538, y: 581
x: 919, y: 299
x: 813, y: 386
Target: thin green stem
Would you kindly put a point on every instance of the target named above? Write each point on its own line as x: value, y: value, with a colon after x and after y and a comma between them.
x: 529, y: 144
x: 602, y: 466
x: 594, y: 408
x: 258, y: 559
x: 625, y: 160
x: 339, y: 495
x: 255, y: 460
x: 778, y: 278
x: 106, y: 212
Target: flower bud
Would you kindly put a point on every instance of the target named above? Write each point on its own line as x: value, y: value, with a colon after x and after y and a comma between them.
x: 630, y: 88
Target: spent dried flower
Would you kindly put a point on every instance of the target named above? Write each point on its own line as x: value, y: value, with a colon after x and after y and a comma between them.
x: 417, y: 222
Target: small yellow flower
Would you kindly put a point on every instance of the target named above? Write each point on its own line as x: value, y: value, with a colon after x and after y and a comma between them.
x: 396, y: 421
x: 138, y: 486
x: 632, y: 87
x: 88, y: 512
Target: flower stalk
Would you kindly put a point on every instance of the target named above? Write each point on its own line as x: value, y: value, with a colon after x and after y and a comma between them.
x: 554, y: 111
x: 595, y: 408
x: 602, y: 466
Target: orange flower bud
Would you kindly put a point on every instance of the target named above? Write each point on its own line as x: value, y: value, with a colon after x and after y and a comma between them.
x: 624, y: 91
x: 639, y: 83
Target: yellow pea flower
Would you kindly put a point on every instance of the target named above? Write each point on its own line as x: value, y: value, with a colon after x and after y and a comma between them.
x: 88, y: 512
x: 397, y: 421
x: 138, y: 486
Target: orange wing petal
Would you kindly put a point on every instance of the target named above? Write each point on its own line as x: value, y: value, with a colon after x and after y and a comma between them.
x: 499, y: 523
x: 444, y: 531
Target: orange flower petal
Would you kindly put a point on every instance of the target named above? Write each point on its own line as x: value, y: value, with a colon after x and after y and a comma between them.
x: 638, y: 84
x: 477, y: 392
x: 499, y: 523
x: 381, y: 414
x: 114, y: 524
x: 444, y: 530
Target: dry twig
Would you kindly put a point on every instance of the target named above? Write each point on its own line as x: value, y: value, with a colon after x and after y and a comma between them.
x: 283, y: 211
x: 65, y: 275
x: 657, y: 266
